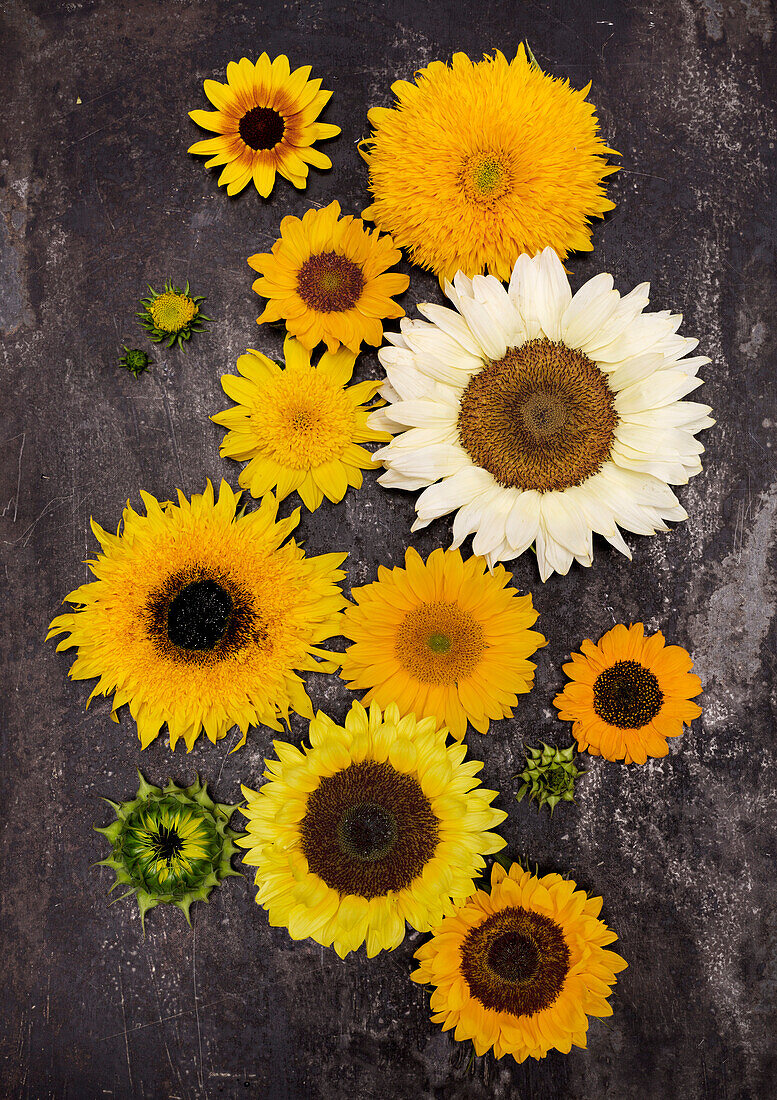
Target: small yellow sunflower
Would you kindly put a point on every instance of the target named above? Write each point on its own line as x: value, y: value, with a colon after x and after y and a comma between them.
x: 478, y: 163
x: 327, y: 278
x: 521, y: 969
x: 199, y: 618
x: 379, y: 822
x: 265, y: 119
x: 443, y: 638
x: 299, y: 427
x: 628, y: 694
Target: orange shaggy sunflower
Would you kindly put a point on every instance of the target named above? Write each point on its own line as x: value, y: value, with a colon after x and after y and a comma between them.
x: 265, y: 122
x: 479, y: 162
x: 628, y: 694
x: 521, y: 969
x: 327, y: 279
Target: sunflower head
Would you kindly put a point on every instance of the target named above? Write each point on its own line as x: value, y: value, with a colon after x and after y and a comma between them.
x: 378, y: 823
x: 172, y: 314
x: 443, y: 638
x: 628, y: 694
x: 135, y: 360
x: 327, y: 279
x: 480, y: 161
x: 549, y: 776
x: 170, y: 845
x: 203, y: 618
x: 265, y: 123
x: 521, y: 969
x: 297, y: 425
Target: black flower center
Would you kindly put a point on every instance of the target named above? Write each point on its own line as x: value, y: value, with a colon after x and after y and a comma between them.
x: 166, y: 843
x: 261, y: 128
x: 513, y: 957
x: 199, y: 615
x: 330, y: 283
x: 627, y: 695
x: 367, y: 832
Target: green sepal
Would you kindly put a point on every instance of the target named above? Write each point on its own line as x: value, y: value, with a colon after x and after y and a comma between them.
x: 549, y: 776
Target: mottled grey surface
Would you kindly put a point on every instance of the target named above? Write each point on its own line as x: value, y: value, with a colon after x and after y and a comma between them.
x: 98, y: 197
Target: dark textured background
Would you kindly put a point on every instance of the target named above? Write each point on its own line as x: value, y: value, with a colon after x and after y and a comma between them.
x: 98, y: 197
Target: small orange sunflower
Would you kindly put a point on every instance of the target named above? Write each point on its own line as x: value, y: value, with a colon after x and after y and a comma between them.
x: 327, y: 278
x: 299, y: 427
x: 265, y: 121
x: 628, y: 694
x: 521, y: 969
x: 443, y: 639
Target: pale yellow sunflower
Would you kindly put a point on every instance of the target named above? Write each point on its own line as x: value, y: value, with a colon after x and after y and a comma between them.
x: 327, y: 278
x: 265, y: 119
x: 521, y: 969
x: 299, y: 427
x: 201, y: 618
x: 378, y: 823
x: 442, y: 638
x: 628, y: 694
x: 479, y: 162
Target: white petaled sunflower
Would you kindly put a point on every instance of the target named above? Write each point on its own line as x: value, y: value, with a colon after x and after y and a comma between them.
x: 378, y: 823
x: 542, y: 417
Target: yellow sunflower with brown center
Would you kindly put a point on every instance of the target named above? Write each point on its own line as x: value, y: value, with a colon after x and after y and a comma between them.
x: 628, y: 694
x: 444, y: 638
x: 521, y: 969
x: 327, y: 279
x: 265, y: 122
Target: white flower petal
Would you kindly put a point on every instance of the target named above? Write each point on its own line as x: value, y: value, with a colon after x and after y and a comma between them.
x: 453, y: 492
x: 523, y: 522
x: 551, y: 555
x: 594, y: 302
x: 565, y: 524
x: 669, y: 442
x: 629, y: 307
x: 452, y: 323
x: 492, y: 341
x: 429, y: 461
x: 645, y: 333
x: 662, y: 388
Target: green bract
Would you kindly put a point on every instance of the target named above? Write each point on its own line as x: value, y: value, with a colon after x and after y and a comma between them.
x: 171, y: 314
x: 135, y: 361
x: 549, y: 775
x: 170, y: 844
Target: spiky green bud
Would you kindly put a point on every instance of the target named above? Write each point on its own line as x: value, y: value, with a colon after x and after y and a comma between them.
x: 170, y: 844
x: 172, y: 314
x: 549, y: 775
x: 135, y: 360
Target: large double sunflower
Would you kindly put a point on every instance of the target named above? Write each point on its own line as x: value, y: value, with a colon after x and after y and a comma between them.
x: 542, y: 417
x: 378, y: 823
x: 199, y: 618
x: 628, y: 694
x: 521, y: 969
x: 442, y: 638
x: 265, y: 122
x: 478, y: 162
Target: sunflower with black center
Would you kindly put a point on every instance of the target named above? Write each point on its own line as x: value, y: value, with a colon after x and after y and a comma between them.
x: 327, y: 279
x: 479, y: 162
x: 521, y: 969
x: 443, y: 638
x: 378, y: 824
x: 265, y: 123
x: 201, y: 618
x: 170, y: 845
x: 298, y: 426
x: 172, y: 315
x: 628, y: 694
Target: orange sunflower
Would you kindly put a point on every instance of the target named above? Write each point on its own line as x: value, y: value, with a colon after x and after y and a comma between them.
x: 327, y: 278
x: 265, y: 122
x: 628, y: 694
x: 521, y: 969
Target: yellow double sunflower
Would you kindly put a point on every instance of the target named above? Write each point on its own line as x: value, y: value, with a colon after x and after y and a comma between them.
x: 521, y: 969
x: 327, y: 279
x: 628, y: 694
x: 201, y: 618
x: 299, y: 427
x: 265, y: 122
x: 442, y: 638
x: 378, y: 823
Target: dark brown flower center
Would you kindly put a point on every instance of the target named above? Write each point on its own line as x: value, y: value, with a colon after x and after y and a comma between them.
x: 627, y: 695
x: 198, y: 616
x: 516, y: 961
x: 261, y: 128
x: 543, y: 417
x: 368, y: 829
x: 330, y: 283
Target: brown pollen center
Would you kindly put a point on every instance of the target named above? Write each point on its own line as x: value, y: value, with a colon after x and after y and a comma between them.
x: 330, y: 283
x: 261, y: 128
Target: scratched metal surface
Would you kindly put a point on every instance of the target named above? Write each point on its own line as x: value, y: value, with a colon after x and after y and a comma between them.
x: 98, y: 197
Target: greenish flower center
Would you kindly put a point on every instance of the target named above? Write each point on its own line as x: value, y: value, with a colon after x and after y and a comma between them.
x: 439, y: 643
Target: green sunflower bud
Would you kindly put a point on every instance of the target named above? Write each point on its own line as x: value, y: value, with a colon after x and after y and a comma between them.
x: 171, y: 314
x: 549, y: 776
x: 135, y: 361
x: 170, y: 844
